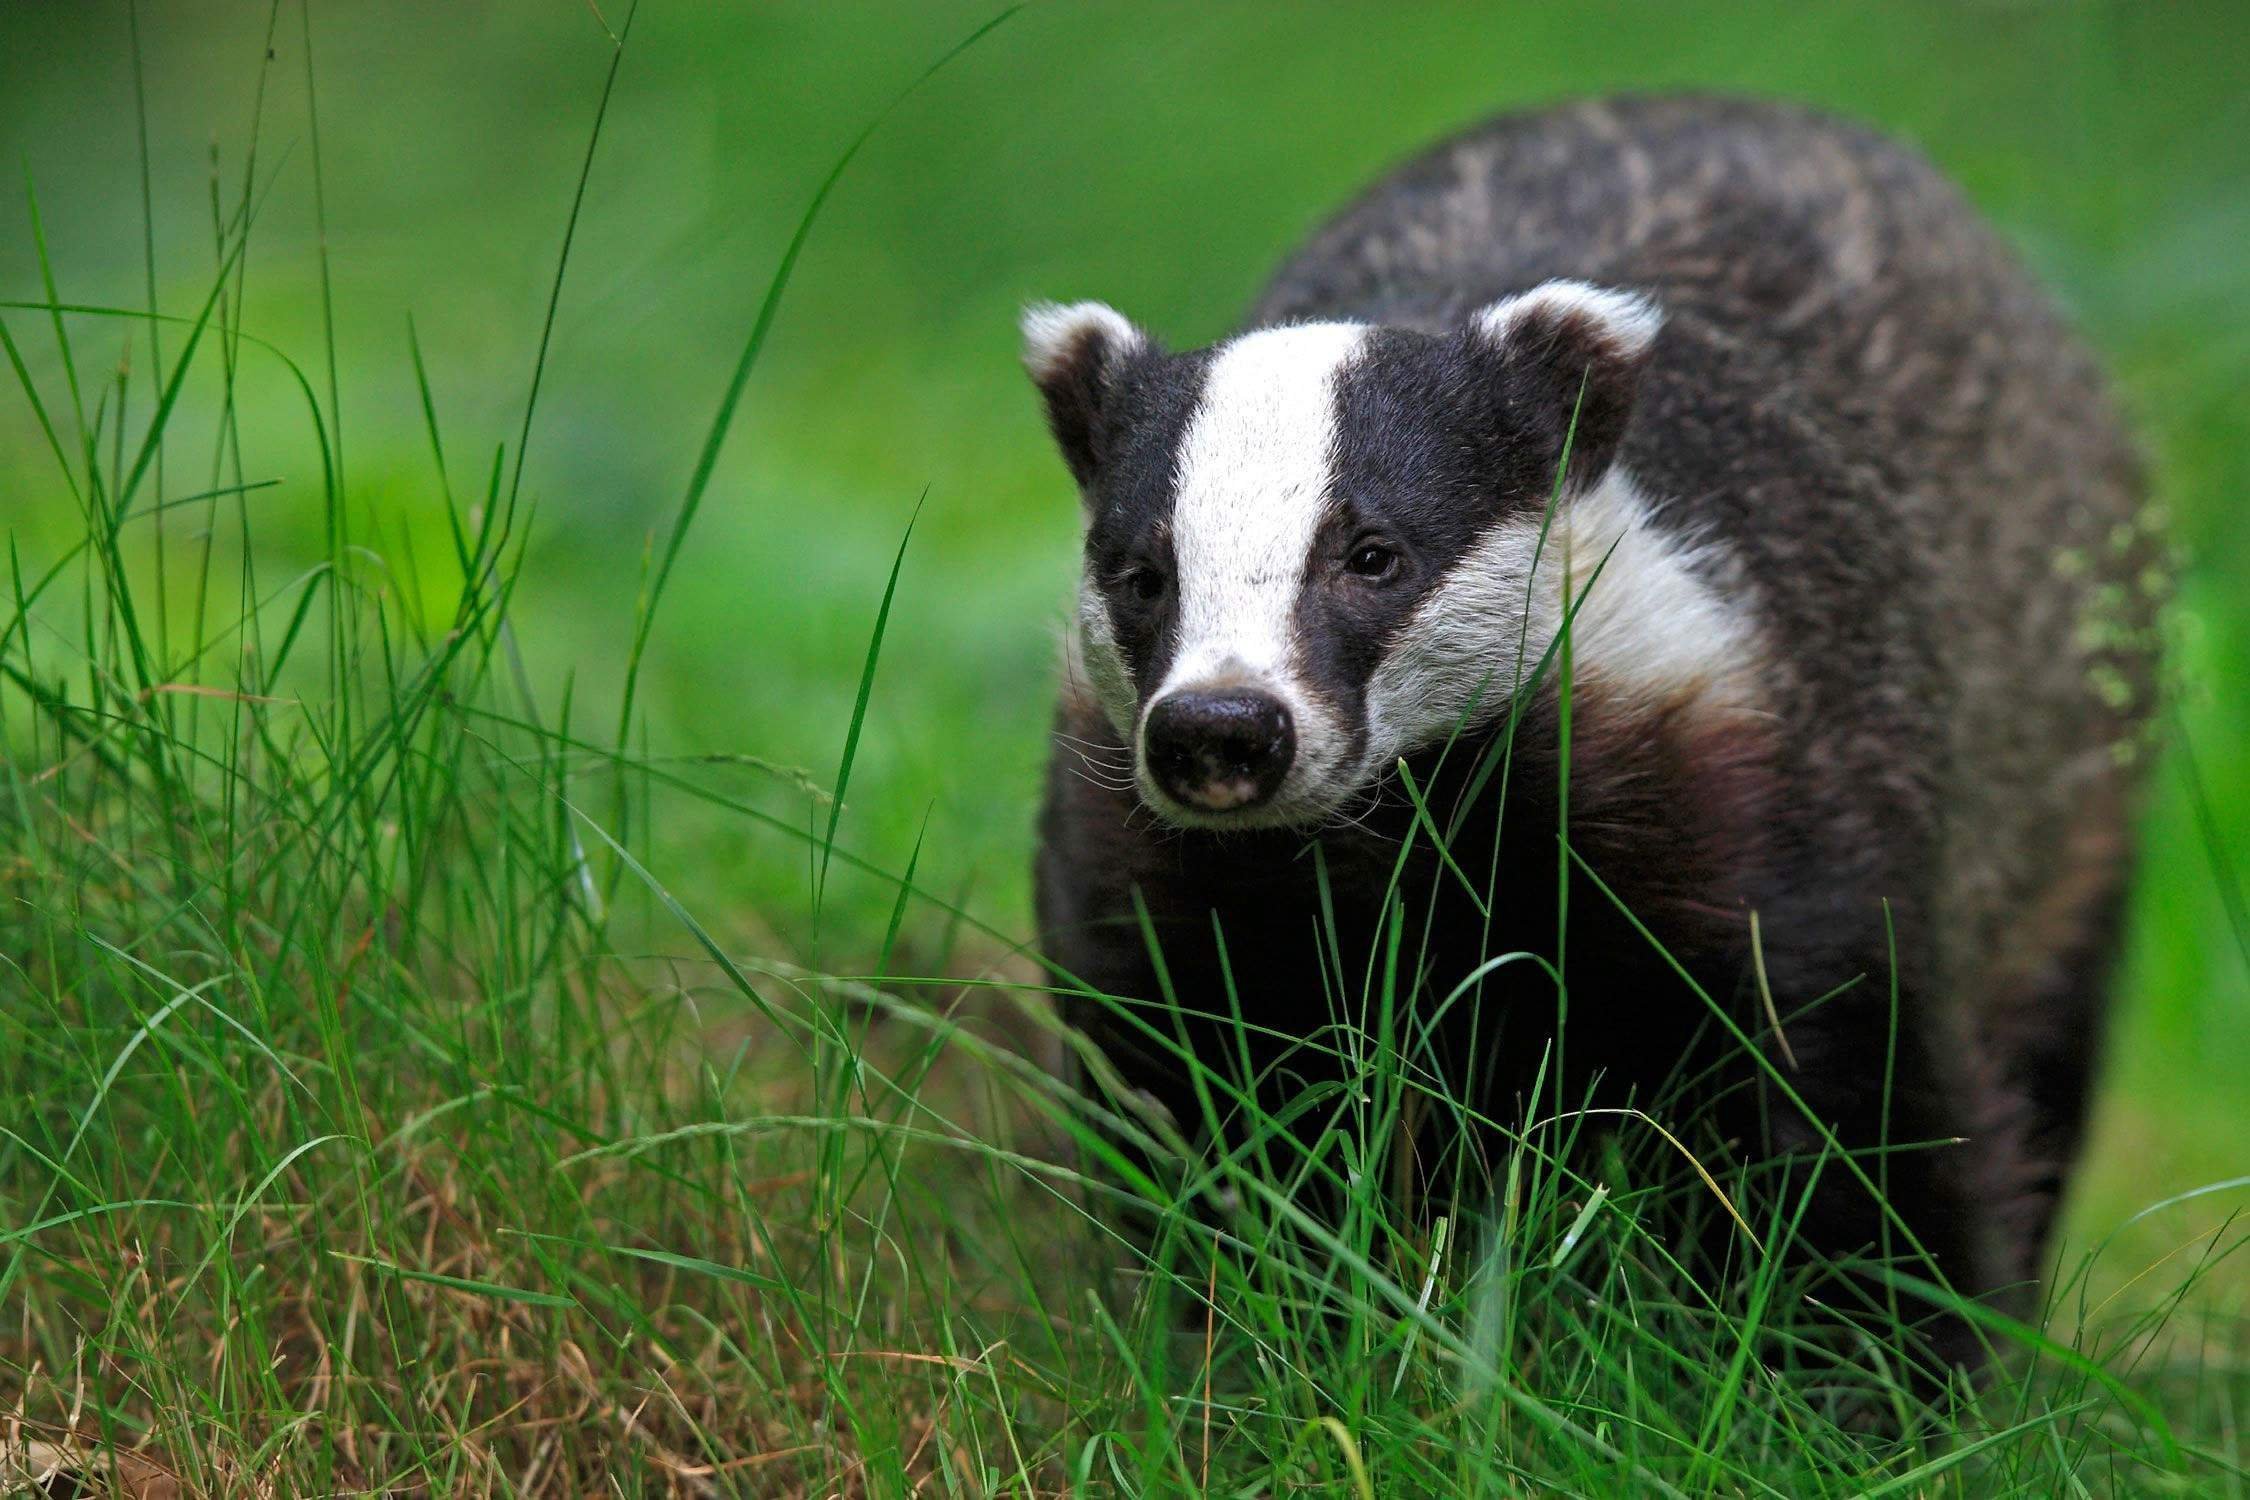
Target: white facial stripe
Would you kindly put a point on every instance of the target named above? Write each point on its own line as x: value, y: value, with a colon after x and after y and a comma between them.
x: 1251, y: 483
x: 1655, y: 624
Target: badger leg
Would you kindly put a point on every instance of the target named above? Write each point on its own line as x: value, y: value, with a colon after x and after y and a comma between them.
x: 2043, y: 1034
x: 1984, y: 1121
x: 1920, y: 1218
x: 1893, y: 1097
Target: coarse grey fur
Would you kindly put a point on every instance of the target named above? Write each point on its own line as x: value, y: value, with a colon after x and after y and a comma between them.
x: 1933, y: 513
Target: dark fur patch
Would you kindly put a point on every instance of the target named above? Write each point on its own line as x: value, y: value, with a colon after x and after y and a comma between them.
x: 1077, y: 383
x: 1566, y: 381
x: 1145, y: 408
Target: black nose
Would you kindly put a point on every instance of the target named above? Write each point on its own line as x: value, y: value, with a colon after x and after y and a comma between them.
x: 1219, y: 751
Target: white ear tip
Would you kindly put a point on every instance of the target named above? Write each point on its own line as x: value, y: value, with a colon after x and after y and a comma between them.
x: 1627, y: 320
x: 1054, y: 331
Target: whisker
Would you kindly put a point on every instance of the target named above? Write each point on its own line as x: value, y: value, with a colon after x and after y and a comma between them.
x: 1098, y: 747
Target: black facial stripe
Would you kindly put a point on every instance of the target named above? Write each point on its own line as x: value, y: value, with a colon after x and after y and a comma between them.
x: 1132, y: 499
x: 1417, y: 442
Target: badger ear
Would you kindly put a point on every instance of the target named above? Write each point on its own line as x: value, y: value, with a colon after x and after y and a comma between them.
x: 1569, y: 358
x: 1074, y: 354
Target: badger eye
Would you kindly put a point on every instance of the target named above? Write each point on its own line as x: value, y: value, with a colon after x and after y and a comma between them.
x: 1372, y: 560
x: 1146, y: 583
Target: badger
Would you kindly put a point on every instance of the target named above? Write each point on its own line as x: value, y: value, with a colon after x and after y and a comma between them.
x: 1668, y: 535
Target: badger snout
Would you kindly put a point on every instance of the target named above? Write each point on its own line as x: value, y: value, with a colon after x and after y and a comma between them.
x: 1219, y: 751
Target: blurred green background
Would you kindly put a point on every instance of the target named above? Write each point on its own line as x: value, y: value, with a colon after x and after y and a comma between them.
x: 1160, y: 156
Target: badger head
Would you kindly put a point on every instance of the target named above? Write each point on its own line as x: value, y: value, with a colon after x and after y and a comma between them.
x: 1313, y: 549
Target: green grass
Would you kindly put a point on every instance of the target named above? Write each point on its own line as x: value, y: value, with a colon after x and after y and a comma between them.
x: 510, y: 834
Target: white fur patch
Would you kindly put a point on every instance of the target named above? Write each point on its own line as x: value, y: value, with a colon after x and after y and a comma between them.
x: 1052, y: 331
x: 1251, y: 484
x: 1655, y: 624
x: 1627, y: 319
x: 1250, y: 489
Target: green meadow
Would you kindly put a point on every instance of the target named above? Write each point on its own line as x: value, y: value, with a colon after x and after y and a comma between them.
x: 532, y: 597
